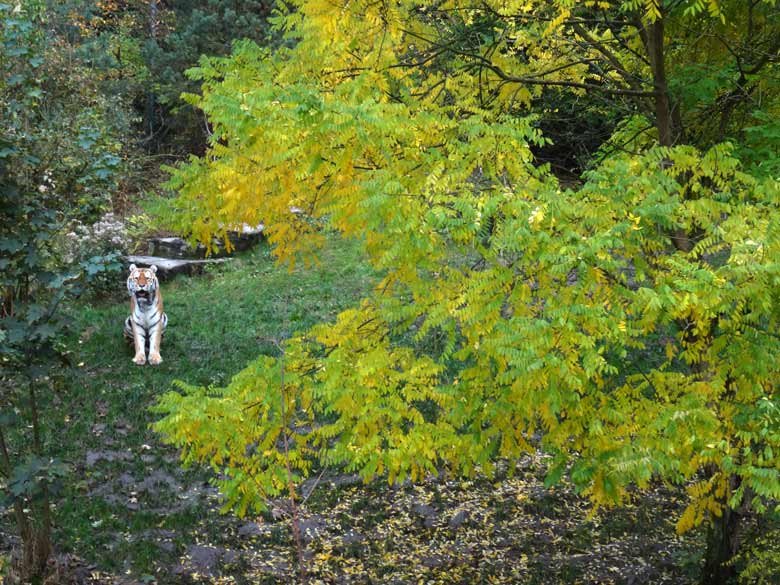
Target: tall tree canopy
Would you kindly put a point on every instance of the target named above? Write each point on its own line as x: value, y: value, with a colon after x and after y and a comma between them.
x: 631, y: 322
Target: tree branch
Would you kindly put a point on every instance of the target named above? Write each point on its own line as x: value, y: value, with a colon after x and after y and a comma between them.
x: 533, y: 80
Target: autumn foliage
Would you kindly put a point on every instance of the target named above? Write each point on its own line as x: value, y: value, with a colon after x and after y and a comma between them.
x: 627, y: 323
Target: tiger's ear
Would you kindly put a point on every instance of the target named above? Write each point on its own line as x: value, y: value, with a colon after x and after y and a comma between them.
x: 133, y: 267
x: 153, y: 268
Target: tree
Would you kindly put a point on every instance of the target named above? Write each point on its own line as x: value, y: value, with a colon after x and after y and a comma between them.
x: 180, y: 32
x: 58, y: 159
x: 632, y: 322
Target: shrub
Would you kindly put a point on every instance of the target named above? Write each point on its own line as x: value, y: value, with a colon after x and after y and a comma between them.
x: 97, y: 249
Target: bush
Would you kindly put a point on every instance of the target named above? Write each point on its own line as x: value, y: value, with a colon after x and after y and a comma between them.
x: 97, y: 249
x: 758, y: 563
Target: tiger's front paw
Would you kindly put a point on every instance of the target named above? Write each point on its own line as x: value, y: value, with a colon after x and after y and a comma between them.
x: 139, y: 359
x: 155, y: 359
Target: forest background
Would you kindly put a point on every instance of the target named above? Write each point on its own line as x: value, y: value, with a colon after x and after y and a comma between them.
x: 571, y: 209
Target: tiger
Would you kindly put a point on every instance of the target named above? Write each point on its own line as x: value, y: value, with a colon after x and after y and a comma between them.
x: 147, y: 321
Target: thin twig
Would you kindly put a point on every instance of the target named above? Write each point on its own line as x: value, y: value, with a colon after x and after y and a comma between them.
x: 296, y: 526
x: 314, y: 486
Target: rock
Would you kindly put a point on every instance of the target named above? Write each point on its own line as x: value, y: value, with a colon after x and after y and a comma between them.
x: 423, y: 510
x: 168, y: 267
x: 272, y: 566
x: 312, y: 528
x: 126, y: 480
x: 205, y: 560
x: 179, y: 248
x: 249, y: 529
x: 230, y: 557
x: 165, y: 546
x: 172, y: 247
x: 157, y: 481
x: 247, y: 237
x: 352, y: 537
x: 427, y: 513
x: 432, y: 562
x: 94, y: 456
x: 310, y: 484
x: 345, y: 480
x: 458, y: 519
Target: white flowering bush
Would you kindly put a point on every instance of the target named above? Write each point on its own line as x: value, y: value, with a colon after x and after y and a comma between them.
x: 108, y: 234
x: 97, y: 249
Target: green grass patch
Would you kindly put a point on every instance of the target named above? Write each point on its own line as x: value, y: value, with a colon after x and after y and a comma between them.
x: 127, y: 489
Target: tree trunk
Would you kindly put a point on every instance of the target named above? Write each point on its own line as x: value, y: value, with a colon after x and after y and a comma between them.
x: 722, y: 541
x: 35, y: 536
x: 652, y: 36
x: 665, y: 115
x: 722, y: 545
x: 38, y: 548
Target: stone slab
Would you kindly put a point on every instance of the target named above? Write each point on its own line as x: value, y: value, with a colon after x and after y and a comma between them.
x: 179, y: 248
x: 168, y: 267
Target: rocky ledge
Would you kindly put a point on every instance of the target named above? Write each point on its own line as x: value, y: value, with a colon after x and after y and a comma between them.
x: 168, y: 267
x: 175, y: 255
x: 176, y: 247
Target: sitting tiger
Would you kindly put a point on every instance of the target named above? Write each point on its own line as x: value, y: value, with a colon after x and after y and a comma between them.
x: 147, y: 322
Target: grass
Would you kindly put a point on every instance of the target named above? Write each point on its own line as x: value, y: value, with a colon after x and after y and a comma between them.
x: 99, y: 422
x: 130, y: 510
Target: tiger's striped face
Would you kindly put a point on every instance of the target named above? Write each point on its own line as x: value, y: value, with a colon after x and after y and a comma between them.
x: 142, y: 283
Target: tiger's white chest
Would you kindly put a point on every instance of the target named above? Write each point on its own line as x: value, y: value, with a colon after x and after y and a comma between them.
x: 146, y: 312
